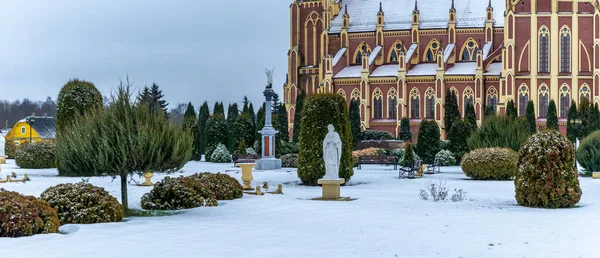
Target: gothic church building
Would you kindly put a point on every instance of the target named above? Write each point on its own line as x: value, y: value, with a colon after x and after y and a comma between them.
x: 399, y: 58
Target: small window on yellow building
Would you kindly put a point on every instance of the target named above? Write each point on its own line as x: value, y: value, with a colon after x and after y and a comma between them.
x: 23, y: 129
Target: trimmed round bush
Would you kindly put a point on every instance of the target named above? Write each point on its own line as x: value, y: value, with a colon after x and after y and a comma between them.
x: 25, y: 215
x: 223, y: 186
x: 588, y: 153
x: 178, y: 193
x: 36, y: 155
x: 406, y: 160
x: 547, y: 177
x: 446, y: 157
x: 500, y: 131
x: 311, y: 166
x: 289, y: 161
x: 76, y: 98
x: 220, y: 155
x: 83, y: 203
x: 490, y: 164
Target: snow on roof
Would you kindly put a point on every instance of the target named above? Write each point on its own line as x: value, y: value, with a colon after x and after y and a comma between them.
x: 486, y: 49
x: 423, y: 69
x: 465, y: 68
x: 433, y: 14
x: 494, y: 69
x: 338, y: 56
x: 349, y: 72
x: 411, y: 51
x: 386, y: 71
x: 374, y: 54
x: 448, y: 51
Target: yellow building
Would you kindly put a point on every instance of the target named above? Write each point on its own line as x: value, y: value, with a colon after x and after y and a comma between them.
x: 33, y: 128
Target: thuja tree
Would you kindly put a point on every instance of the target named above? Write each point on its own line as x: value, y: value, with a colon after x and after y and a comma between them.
x: 216, y: 132
x: 511, y: 110
x: 489, y: 111
x: 428, y: 142
x: 470, y: 116
x: 530, y: 114
x: 282, y: 123
x: 552, y: 118
x: 458, y: 136
x: 125, y: 139
x: 298, y: 115
x: 203, y: 116
x: 232, y: 113
x: 451, y: 112
x: 584, y: 115
x: 355, y: 120
x: 311, y: 166
x: 243, y: 130
x: 189, y: 118
x: 573, y: 115
x: 405, y: 132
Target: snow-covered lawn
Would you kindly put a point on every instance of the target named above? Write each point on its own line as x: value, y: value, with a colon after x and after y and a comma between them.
x: 387, y: 220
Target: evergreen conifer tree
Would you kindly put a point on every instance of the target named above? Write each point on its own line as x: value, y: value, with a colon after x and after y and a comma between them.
x: 471, y: 117
x: 451, y: 112
x: 597, y: 114
x: 298, y: 115
x: 530, y: 114
x: 203, y: 116
x: 232, y: 114
x: 275, y: 104
x: 572, y: 130
x: 152, y: 97
x: 252, y: 114
x: 489, y: 111
x: 428, y: 142
x: 405, y: 132
x: 511, y: 110
x: 552, y: 118
x: 282, y: 123
x: 190, y: 123
x: 461, y: 130
x: 355, y: 120
x: 260, y: 119
x: 189, y: 118
x: 245, y: 109
x: 584, y: 115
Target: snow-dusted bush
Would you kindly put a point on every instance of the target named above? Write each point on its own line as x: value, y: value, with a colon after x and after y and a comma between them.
x: 547, y: 177
x: 220, y: 155
x: 223, y: 186
x: 37, y: 155
x: 375, y: 135
x: 289, y: 161
x: 25, y: 215
x: 588, y: 153
x: 250, y: 151
x: 446, y: 158
x: 83, y: 203
x: 10, y: 149
x: 178, y: 193
x: 76, y: 97
x: 403, y: 156
x: 490, y: 164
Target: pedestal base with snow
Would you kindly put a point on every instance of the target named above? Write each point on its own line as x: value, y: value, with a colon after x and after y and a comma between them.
x: 331, y: 190
x: 596, y: 175
x: 2, y: 160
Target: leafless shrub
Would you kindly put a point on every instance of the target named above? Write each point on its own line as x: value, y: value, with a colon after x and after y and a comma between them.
x: 458, y: 195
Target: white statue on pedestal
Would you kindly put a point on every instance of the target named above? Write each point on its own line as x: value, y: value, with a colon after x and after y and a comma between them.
x: 332, y: 153
x: 2, y: 145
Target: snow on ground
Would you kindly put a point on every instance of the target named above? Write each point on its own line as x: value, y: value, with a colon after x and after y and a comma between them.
x: 386, y: 220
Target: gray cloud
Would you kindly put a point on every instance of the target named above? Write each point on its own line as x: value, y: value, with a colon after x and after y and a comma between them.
x: 195, y: 50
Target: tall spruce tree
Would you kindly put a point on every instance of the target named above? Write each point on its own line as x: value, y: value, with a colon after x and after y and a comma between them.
x: 275, y: 104
x: 245, y: 109
x: 471, y: 117
x: 218, y: 109
x: 572, y: 127
x: 530, y: 114
x: 451, y: 112
x: 152, y: 97
x: 203, y: 116
x: 189, y: 118
x: 405, y: 132
x: 355, y: 120
x: 298, y: 115
x: 260, y: 119
x: 282, y: 123
x: 252, y: 114
x: 232, y: 114
x: 511, y: 110
x: 584, y: 115
x: 552, y: 117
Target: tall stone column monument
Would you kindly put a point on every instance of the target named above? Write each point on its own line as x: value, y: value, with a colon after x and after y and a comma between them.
x: 2, y: 149
x: 268, y: 160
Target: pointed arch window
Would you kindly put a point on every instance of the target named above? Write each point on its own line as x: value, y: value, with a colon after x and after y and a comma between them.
x: 468, y: 97
x: 342, y: 93
x: 377, y: 104
x: 492, y: 98
x: 362, y: 49
x: 565, y: 101
x: 469, y: 50
x: 543, y: 101
x: 523, y: 99
x: 414, y: 103
x: 584, y: 92
x: 565, y: 50
x: 430, y: 104
x: 355, y: 94
x: 395, y: 52
x: 392, y: 104
x: 543, y: 49
x: 430, y: 52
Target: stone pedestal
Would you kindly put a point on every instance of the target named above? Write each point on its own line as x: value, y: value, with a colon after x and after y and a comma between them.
x: 331, y: 188
x: 268, y: 164
x: 596, y: 175
x: 2, y: 160
x: 247, y: 174
x: 148, y: 179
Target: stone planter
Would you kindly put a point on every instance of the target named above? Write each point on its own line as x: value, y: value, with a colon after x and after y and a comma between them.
x: 596, y: 175
x: 247, y: 174
x: 2, y: 160
x: 148, y: 177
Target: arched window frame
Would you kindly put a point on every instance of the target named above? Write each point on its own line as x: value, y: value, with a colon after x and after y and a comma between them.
x: 355, y: 94
x: 565, y: 50
x: 392, y: 104
x: 492, y: 98
x: 584, y: 91
x: 543, y: 49
x: 468, y: 98
x: 377, y: 104
x: 362, y: 49
x: 469, y: 50
x: 564, y: 100
x: 395, y: 50
x: 415, y: 98
x: 342, y: 93
x: 523, y: 99
x: 543, y: 98
x: 431, y: 51
x: 430, y: 103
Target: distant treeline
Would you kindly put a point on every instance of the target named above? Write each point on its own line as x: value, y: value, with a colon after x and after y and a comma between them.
x: 11, y: 112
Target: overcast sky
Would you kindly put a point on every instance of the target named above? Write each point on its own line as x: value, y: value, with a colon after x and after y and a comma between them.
x: 195, y: 50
